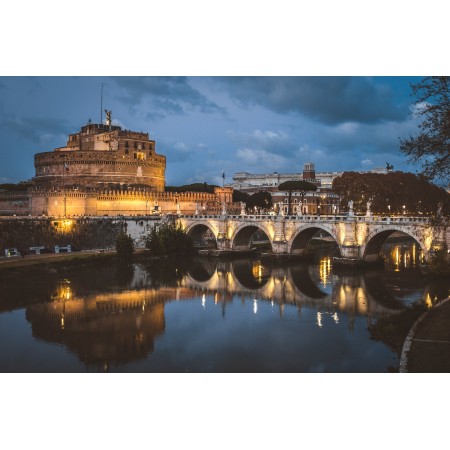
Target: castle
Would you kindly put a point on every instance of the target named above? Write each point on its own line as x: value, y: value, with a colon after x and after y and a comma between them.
x: 105, y: 171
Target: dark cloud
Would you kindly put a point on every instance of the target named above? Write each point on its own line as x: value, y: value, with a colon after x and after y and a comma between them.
x: 330, y: 100
x: 167, y: 95
x: 34, y: 129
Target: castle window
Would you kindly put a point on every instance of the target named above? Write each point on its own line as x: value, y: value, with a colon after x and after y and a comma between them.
x: 126, y: 144
x: 139, y: 155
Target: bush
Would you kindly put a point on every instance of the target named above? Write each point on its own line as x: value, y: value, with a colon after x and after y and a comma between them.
x: 124, y: 246
x: 439, y: 264
x: 169, y: 240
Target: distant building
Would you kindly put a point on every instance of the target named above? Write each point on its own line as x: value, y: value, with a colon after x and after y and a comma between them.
x: 247, y: 182
x: 322, y: 201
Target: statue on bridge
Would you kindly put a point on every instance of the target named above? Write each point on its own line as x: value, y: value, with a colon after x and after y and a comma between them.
x: 243, y: 209
x: 368, y: 212
x: 280, y: 209
x: 350, y: 208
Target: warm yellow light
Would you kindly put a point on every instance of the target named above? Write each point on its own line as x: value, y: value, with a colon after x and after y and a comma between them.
x: 397, y: 257
x: 319, y: 319
x: 66, y: 225
x: 341, y: 233
x: 325, y: 270
x: 428, y: 301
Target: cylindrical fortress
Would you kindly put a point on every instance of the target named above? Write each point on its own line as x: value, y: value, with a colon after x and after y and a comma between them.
x: 99, y: 156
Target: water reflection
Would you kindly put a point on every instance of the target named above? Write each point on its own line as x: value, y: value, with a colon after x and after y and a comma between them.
x: 112, y: 317
x: 402, y: 253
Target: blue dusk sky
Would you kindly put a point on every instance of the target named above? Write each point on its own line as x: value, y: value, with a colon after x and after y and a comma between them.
x: 206, y: 125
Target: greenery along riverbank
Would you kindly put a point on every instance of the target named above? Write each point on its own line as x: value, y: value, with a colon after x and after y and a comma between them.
x: 167, y: 240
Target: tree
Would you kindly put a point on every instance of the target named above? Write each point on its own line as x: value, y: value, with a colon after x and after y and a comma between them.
x: 260, y: 199
x: 431, y: 147
x: 388, y: 193
x: 239, y: 196
x: 124, y: 246
x: 298, y: 186
x: 169, y: 239
x: 194, y: 187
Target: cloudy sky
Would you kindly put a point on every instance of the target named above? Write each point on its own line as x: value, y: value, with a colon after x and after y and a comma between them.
x: 205, y: 125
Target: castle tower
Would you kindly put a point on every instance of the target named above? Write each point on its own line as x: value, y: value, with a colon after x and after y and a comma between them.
x: 224, y: 194
x: 101, y: 155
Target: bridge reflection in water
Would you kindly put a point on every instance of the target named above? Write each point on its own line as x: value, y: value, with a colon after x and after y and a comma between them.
x: 107, y: 324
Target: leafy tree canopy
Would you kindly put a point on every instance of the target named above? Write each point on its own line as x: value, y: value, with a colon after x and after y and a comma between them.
x: 431, y: 146
x: 124, y: 246
x: 169, y: 239
x: 260, y: 199
x: 239, y: 196
x: 394, y: 189
x: 297, y: 185
x: 15, y: 187
x: 195, y: 187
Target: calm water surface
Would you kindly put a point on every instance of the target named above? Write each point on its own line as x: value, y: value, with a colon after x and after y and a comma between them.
x: 208, y: 316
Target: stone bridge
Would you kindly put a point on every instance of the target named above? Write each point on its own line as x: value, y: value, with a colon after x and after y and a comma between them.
x: 358, y: 237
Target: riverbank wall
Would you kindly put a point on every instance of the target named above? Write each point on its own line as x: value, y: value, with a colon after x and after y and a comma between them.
x: 26, y: 234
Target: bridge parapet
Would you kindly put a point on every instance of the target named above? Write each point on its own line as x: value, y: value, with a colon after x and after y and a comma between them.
x: 313, y: 218
x: 359, y: 237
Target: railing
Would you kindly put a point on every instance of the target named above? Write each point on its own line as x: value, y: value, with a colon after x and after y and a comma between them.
x: 312, y: 218
x: 250, y: 217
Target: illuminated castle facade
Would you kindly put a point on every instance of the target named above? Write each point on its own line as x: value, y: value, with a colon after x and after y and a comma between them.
x: 100, y: 156
x: 105, y: 170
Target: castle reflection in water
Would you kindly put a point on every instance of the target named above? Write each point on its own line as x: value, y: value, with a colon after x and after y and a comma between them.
x: 113, y: 317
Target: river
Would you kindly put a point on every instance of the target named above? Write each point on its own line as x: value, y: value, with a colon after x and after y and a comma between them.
x: 204, y: 315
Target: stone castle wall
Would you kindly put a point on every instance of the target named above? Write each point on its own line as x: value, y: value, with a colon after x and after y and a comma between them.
x: 118, y: 202
x: 94, y: 168
x: 14, y: 204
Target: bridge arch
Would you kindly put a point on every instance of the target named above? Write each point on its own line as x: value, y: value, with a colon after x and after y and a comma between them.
x: 251, y: 275
x: 242, y: 236
x: 202, y: 271
x: 375, y: 240
x: 300, y: 239
x: 303, y: 282
x: 203, y: 234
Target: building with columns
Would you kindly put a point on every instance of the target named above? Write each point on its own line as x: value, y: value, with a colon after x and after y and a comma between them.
x: 322, y: 201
